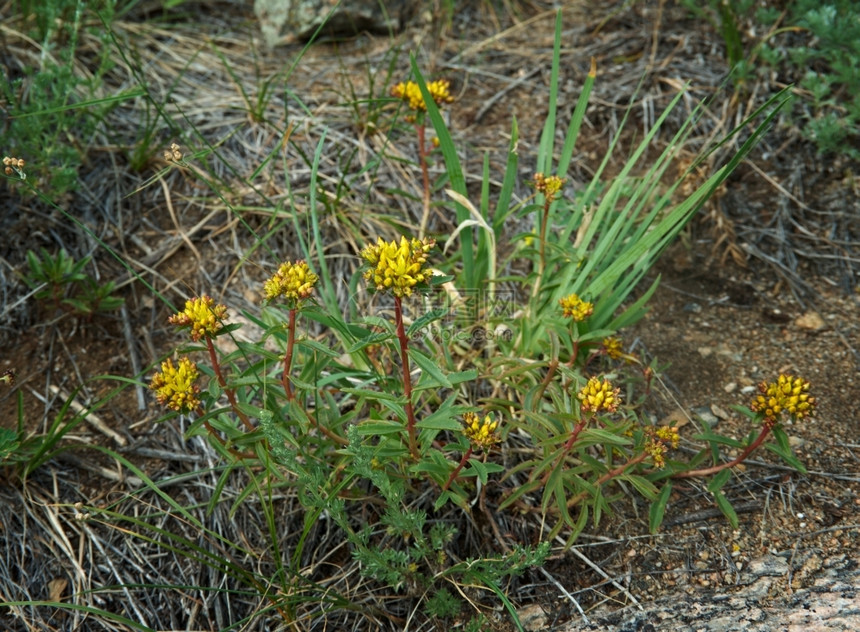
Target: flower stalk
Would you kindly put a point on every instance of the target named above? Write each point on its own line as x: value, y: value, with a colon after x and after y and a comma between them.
x: 288, y: 356
x: 466, y: 455
x: 229, y: 392
x: 407, y: 378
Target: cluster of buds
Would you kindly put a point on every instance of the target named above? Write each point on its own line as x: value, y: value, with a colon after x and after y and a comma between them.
x: 173, y: 154
x: 398, y: 267
x: 175, y: 386
x: 789, y: 395
x: 575, y: 308
x: 14, y: 165
x: 202, y: 315
x: 599, y: 396
x: 482, y: 433
x: 8, y: 377
x: 293, y: 281
x: 410, y: 93
x: 550, y: 186
x: 613, y: 348
x: 658, y: 442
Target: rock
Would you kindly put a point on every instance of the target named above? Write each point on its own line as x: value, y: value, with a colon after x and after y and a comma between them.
x: 811, y: 320
x: 284, y: 21
x: 828, y: 601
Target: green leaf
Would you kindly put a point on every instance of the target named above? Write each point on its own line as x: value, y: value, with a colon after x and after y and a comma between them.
x: 379, y: 427
x: 425, y: 319
x: 313, y: 345
x: 642, y: 485
x: 712, y: 437
x: 441, y: 419
x: 373, y: 395
x: 717, y: 483
x: 463, y: 376
x: 783, y: 449
x: 658, y: 508
x: 727, y: 509
x: 431, y: 376
x: 372, y: 339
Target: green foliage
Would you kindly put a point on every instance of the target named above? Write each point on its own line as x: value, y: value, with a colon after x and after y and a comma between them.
x: 24, y: 451
x: 818, y: 43
x: 833, y: 79
x: 53, y: 110
x: 61, y: 280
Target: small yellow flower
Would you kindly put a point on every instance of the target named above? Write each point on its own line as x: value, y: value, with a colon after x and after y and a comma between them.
x: 482, y: 433
x: 174, y: 387
x: 658, y: 443
x: 575, y: 308
x: 599, y: 395
x: 202, y: 316
x: 612, y: 347
x: 788, y: 395
x: 410, y: 93
x: 397, y: 267
x: 548, y: 185
x: 294, y: 281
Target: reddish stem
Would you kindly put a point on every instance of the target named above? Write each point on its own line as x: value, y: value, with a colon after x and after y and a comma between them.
x: 743, y: 455
x: 607, y: 477
x: 550, y: 371
x: 457, y: 469
x: 231, y: 395
x: 288, y: 357
x: 566, y: 448
x: 407, y: 378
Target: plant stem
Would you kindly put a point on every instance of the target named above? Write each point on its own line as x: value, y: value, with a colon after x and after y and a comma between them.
x: 288, y: 357
x: 607, y: 477
x: 425, y: 176
x: 743, y: 455
x: 542, y: 260
x: 566, y: 448
x: 231, y: 395
x: 457, y: 469
x: 407, y: 378
x: 543, y: 224
x: 550, y: 371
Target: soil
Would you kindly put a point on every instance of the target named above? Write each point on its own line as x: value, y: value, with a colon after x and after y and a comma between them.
x: 731, y: 311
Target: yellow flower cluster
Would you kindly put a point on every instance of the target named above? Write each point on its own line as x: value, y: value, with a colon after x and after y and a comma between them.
x: 410, y: 93
x: 294, y: 281
x: 398, y: 267
x: 482, y: 433
x: 575, y: 308
x: 599, y: 396
x: 789, y: 394
x: 659, y: 441
x: 613, y: 348
x: 548, y: 185
x: 202, y: 316
x: 174, y: 386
